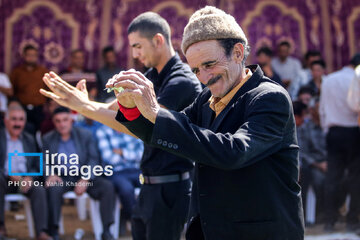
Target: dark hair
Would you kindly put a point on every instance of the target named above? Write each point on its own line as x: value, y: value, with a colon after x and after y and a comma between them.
x: 265, y: 50
x: 228, y: 45
x: 60, y: 110
x: 355, y: 60
x: 318, y: 62
x: 312, y: 53
x: 75, y: 51
x: 306, y: 89
x: 284, y: 43
x: 299, y: 108
x: 29, y: 47
x: 148, y: 24
x: 107, y: 49
x: 13, y: 99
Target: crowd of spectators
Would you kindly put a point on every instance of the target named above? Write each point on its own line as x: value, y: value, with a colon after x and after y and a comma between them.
x: 327, y: 131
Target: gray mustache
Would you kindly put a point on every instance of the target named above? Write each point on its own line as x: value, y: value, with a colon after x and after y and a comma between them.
x: 213, y: 80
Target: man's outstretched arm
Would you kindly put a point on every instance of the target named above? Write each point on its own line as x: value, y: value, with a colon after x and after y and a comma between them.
x: 76, y: 98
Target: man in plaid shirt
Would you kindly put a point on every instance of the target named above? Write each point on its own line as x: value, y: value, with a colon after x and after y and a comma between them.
x: 124, y: 153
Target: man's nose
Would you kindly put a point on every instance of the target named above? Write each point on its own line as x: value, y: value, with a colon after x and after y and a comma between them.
x: 136, y: 54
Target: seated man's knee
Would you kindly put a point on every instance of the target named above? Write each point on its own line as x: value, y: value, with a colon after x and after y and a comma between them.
x: 38, y: 191
x: 54, y: 191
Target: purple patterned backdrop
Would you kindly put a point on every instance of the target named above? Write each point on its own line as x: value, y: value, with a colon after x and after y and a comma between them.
x: 58, y: 26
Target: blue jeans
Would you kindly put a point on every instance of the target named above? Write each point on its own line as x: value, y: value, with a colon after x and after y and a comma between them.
x: 125, y: 183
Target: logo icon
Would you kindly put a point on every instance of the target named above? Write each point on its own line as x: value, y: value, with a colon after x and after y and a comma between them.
x: 16, y: 153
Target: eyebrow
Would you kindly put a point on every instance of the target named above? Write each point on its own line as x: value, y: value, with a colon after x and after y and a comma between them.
x: 208, y: 62
x: 135, y: 45
x: 204, y: 63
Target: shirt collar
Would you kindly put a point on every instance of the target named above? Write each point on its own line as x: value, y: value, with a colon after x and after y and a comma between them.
x: 218, y: 104
x: 8, y: 137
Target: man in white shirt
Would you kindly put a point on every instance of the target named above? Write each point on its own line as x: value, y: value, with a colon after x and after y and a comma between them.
x: 343, y: 141
x: 289, y: 69
x: 5, y: 91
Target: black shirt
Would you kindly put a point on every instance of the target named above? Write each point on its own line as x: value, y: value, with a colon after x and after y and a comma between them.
x: 176, y: 87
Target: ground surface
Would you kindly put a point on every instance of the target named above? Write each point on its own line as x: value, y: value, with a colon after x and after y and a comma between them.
x: 17, y: 227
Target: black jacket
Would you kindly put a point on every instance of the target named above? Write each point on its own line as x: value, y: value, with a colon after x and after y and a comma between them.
x: 246, y: 173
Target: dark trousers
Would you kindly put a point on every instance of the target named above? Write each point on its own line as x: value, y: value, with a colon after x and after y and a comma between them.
x: 161, y: 211
x: 311, y: 176
x: 194, y: 230
x: 125, y: 183
x: 37, y: 196
x: 343, y: 146
x: 101, y: 190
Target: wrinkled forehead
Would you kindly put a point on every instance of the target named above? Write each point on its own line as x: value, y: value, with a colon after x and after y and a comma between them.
x: 203, y: 51
x: 61, y: 116
x: 16, y: 114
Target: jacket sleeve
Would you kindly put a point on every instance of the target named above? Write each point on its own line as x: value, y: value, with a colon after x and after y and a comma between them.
x: 259, y: 136
x: 35, y: 163
x: 92, y: 153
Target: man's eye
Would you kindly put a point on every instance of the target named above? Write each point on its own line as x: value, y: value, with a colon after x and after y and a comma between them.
x: 209, y: 65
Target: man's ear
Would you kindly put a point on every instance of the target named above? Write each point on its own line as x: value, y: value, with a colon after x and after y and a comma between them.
x: 158, y: 40
x: 238, y: 52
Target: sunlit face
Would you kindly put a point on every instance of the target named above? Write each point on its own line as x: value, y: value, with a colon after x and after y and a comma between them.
x: 312, y: 59
x: 143, y: 49
x: 78, y: 60
x: 317, y: 71
x: 219, y: 73
x: 15, y: 122
x: 31, y: 56
x: 263, y: 59
x: 283, y: 51
x: 63, y: 123
x: 305, y: 98
x: 110, y: 58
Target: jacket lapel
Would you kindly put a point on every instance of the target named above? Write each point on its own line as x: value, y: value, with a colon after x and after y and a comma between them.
x: 79, y: 151
x: 2, y: 148
x: 26, y: 147
x: 251, y: 83
x: 54, y: 145
x: 207, y: 115
x: 219, y: 119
